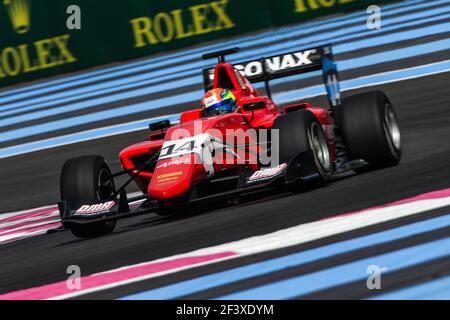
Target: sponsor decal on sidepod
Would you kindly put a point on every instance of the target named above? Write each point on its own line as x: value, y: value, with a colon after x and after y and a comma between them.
x: 174, y: 163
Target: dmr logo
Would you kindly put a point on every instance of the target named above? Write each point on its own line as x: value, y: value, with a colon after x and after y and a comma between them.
x: 19, y: 13
x: 181, y: 23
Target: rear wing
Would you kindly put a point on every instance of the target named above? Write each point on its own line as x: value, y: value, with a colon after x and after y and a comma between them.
x: 284, y: 65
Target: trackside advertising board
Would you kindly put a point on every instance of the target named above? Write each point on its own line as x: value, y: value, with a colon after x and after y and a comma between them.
x: 36, y: 42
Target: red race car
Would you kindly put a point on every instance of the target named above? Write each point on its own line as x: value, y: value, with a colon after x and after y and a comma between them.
x: 238, y: 143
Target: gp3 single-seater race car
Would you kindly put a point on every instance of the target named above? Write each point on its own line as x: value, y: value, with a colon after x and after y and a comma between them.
x: 202, y: 159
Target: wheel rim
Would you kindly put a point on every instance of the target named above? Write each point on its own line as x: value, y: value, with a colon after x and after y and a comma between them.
x: 320, y: 146
x: 391, y: 127
x: 105, y: 185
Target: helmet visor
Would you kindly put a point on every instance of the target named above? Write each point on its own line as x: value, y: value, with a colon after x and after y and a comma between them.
x: 222, y: 107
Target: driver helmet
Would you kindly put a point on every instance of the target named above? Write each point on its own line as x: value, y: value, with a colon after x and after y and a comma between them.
x: 219, y: 101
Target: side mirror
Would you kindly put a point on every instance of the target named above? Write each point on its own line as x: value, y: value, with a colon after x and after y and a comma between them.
x: 160, y: 125
x: 254, y: 106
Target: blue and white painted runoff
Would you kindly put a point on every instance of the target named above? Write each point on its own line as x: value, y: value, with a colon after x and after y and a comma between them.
x: 155, y: 78
x: 344, y: 65
x: 346, y: 273
x: 190, y: 96
x: 214, y: 280
x: 283, y: 97
x: 438, y: 289
x: 40, y: 102
x: 186, y: 70
x: 372, y: 80
x: 84, y: 136
x: 246, y: 41
x: 292, y: 237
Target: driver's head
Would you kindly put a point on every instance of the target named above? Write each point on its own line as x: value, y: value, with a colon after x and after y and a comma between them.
x: 218, y: 101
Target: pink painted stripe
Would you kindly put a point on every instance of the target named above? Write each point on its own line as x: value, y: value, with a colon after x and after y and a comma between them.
x: 444, y: 193
x: 40, y: 215
x: 15, y: 239
x: 22, y: 236
x: 32, y: 229
x: 29, y: 223
x: 92, y: 281
x: 30, y: 214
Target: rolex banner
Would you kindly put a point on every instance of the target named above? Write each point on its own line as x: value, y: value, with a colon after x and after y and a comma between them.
x: 39, y: 38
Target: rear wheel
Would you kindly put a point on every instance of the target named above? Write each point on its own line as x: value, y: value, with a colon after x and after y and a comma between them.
x: 303, y: 146
x: 87, y: 180
x: 371, y: 130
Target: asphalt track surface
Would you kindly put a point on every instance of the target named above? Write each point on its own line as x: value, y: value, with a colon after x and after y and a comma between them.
x: 422, y: 107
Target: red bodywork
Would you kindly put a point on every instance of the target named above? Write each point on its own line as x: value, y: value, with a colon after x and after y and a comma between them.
x: 169, y: 180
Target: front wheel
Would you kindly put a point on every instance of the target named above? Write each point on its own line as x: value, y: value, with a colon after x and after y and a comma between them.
x: 303, y: 146
x: 87, y: 180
